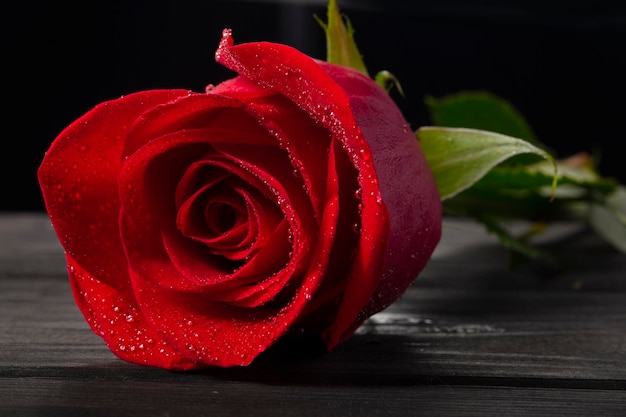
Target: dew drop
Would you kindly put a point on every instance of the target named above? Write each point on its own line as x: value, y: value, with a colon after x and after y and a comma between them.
x: 365, y: 154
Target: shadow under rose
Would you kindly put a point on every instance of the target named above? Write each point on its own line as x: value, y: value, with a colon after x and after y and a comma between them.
x: 364, y: 359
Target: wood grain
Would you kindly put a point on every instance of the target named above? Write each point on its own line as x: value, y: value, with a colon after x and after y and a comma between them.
x: 468, y: 338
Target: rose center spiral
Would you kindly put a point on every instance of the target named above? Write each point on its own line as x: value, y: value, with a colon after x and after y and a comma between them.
x: 220, y: 218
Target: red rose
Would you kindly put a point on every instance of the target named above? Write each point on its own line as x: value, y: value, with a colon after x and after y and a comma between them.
x: 201, y: 228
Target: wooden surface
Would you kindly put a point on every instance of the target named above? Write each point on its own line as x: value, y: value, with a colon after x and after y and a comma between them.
x: 468, y: 339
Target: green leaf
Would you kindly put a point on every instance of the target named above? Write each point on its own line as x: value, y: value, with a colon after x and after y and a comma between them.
x: 489, y: 178
x: 479, y: 110
x: 341, y: 48
x: 538, y: 178
x: 460, y: 157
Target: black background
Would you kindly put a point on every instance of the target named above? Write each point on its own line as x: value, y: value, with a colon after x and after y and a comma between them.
x: 562, y: 65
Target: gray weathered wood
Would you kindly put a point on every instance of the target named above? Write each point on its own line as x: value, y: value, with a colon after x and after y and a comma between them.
x: 469, y: 338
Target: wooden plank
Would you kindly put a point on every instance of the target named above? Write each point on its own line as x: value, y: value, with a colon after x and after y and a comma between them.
x: 29, y: 247
x: 430, y: 332
x: 198, y: 395
x: 469, y: 338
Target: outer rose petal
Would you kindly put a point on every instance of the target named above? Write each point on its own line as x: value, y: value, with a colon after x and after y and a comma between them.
x: 406, y: 185
x: 78, y: 179
x: 401, y: 217
x: 113, y: 314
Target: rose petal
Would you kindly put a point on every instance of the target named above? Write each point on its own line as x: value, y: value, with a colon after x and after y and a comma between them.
x: 257, y: 166
x: 247, y: 290
x: 114, y: 315
x: 197, y: 111
x: 306, y: 142
x: 224, y: 217
x: 218, y: 334
x: 78, y: 178
x: 305, y: 82
x: 406, y: 185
